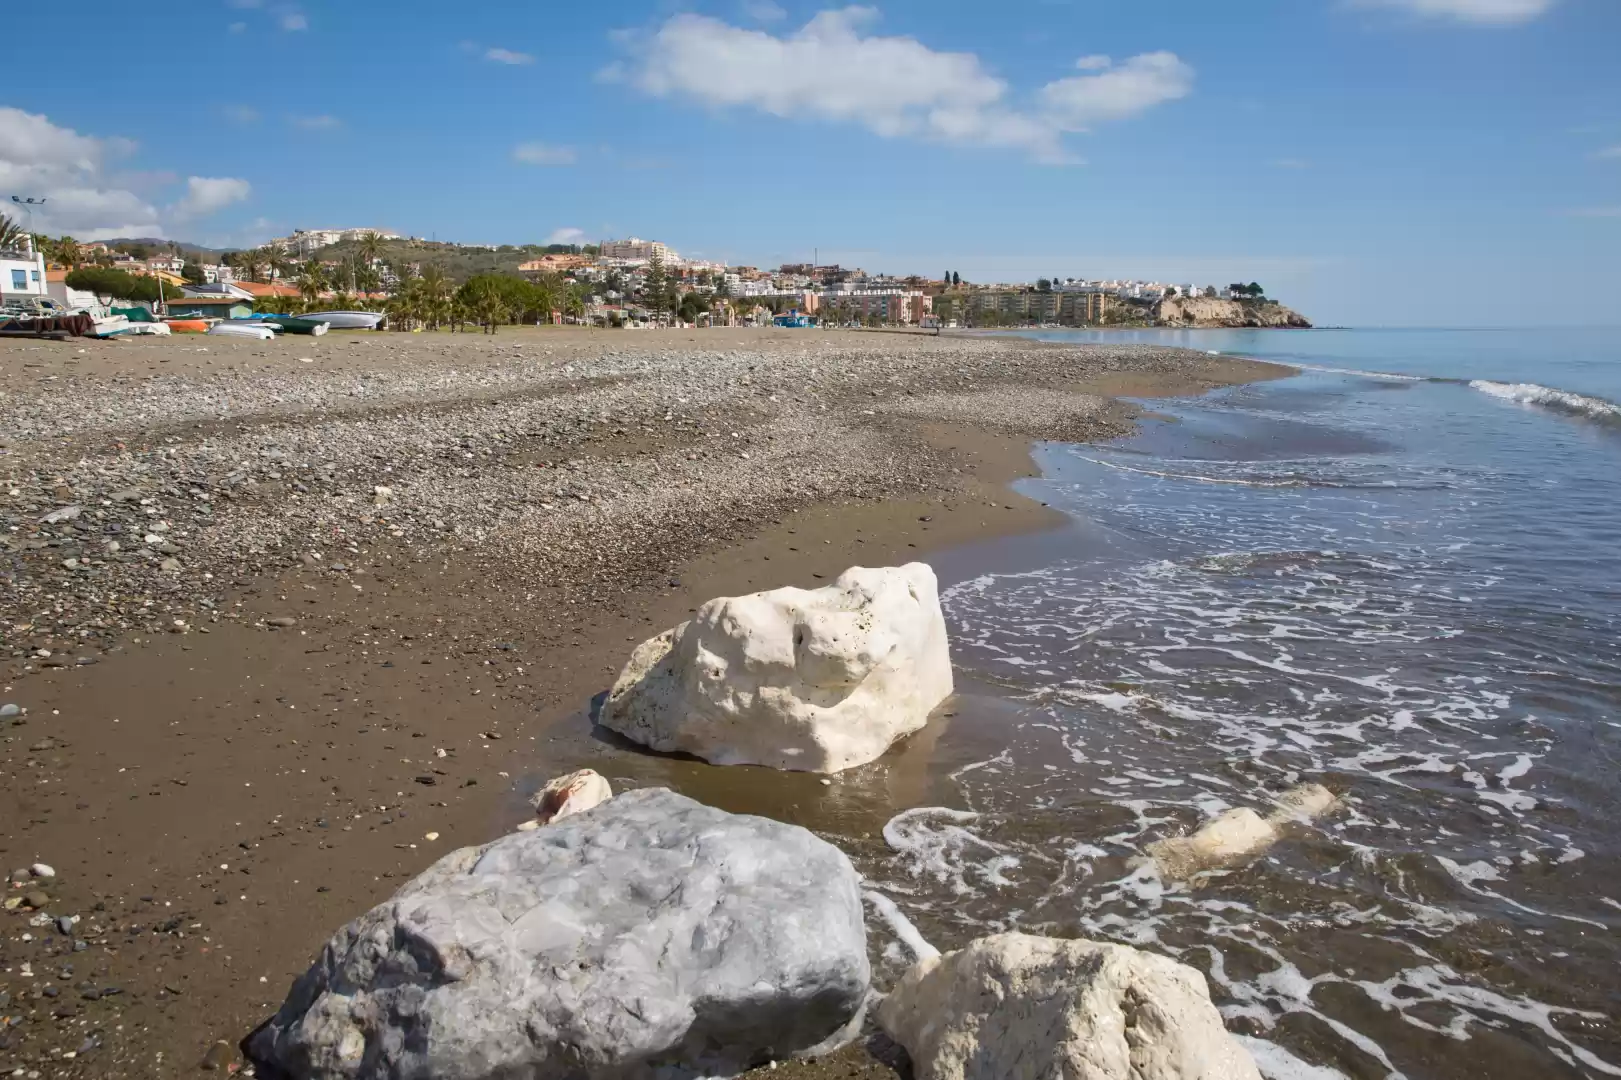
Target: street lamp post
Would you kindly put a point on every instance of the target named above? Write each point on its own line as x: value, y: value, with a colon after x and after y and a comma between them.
x: 28, y: 205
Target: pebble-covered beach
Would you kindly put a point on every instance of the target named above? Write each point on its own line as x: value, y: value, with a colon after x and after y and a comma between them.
x: 285, y: 621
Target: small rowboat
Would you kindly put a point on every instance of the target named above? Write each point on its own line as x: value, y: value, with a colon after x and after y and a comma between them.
x: 295, y: 325
x: 349, y: 320
x: 241, y: 329
x: 188, y: 326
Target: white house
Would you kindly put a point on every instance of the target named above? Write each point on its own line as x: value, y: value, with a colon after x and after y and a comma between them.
x: 22, y: 273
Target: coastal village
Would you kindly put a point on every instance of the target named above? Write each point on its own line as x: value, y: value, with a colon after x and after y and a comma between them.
x: 631, y: 283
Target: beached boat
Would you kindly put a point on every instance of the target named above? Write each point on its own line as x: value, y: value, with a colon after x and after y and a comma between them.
x: 106, y: 326
x: 156, y: 329
x: 245, y: 329
x: 349, y: 320
x: 296, y: 324
x: 188, y: 326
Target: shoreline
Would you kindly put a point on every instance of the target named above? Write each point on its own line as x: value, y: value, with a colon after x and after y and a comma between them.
x: 231, y: 794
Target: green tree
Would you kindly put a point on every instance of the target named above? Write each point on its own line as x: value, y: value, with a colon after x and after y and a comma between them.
x: 13, y: 237
x: 1255, y: 290
x: 68, y: 253
x: 105, y: 281
x: 956, y: 279
x: 485, y: 299
x: 311, y: 281
x: 1043, y: 285
x: 193, y: 274
x: 655, y: 286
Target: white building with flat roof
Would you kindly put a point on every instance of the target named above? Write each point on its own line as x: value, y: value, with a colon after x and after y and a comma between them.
x: 22, y: 273
x: 635, y: 248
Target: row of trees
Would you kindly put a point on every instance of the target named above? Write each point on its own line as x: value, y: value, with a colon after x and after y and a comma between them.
x: 431, y: 300
x: 120, y: 285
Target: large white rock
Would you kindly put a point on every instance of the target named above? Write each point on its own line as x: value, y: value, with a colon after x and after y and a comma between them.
x: 650, y: 938
x: 815, y: 680
x: 1020, y: 1007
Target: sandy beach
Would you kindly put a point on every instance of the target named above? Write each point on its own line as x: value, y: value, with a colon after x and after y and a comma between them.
x: 279, y: 611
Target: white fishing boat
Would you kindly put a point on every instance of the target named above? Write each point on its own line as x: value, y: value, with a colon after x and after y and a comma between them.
x: 257, y: 331
x: 139, y: 329
x: 348, y: 320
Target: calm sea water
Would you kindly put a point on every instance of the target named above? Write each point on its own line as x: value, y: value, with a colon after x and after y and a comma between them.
x: 1397, y: 574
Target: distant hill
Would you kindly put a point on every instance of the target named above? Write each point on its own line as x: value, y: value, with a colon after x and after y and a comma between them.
x: 458, y: 263
x: 194, y: 252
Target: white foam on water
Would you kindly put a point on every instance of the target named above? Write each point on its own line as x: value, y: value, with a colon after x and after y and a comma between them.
x: 1550, y: 398
x: 901, y: 926
x: 935, y: 846
x: 1276, y: 1063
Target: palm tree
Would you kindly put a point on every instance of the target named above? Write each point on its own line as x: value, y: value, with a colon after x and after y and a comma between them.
x: 311, y: 280
x: 435, y: 290
x: 12, y: 235
x: 69, y: 253
x: 277, y: 264
x: 370, y: 248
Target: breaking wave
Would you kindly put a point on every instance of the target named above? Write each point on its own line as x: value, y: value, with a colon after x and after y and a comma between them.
x: 1546, y: 397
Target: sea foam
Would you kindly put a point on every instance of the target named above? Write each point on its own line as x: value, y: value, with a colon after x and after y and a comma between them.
x: 1548, y: 398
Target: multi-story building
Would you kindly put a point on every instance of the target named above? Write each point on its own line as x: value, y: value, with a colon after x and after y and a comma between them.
x: 890, y: 304
x: 22, y: 272
x: 1025, y: 305
x: 637, y: 249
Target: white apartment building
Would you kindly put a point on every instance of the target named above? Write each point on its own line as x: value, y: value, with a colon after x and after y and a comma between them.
x: 637, y: 249
x: 22, y: 272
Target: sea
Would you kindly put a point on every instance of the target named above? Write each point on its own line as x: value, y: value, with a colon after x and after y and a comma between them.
x: 1397, y: 574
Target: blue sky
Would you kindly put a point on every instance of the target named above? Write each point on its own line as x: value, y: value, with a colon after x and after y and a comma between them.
x: 1395, y: 162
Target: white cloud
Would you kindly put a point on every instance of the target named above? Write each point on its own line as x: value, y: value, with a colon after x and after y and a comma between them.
x: 244, y: 4
x: 535, y: 153
x: 764, y: 11
x: 566, y: 236
x: 1095, y: 62
x: 238, y: 28
x: 29, y: 139
x: 1609, y: 153
x: 39, y: 159
x: 1291, y: 163
x: 293, y: 21
x: 1597, y: 212
x: 241, y: 114
x: 208, y: 195
x: 507, y: 56
x: 893, y: 86
x: 322, y: 122
x: 1117, y: 93
x: 1486, y: 12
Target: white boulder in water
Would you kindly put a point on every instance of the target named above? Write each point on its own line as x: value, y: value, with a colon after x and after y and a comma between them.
x: 1021, y: 1007
x: 570, y: 794
x: 652, y: 937
x: 1239, y: 834
x: 815, y: 680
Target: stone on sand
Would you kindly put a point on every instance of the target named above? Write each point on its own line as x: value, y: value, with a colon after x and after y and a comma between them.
x: 654, y: 936
x: 1022, y: 1007
x: 567, y: 795
x: 815, y: 680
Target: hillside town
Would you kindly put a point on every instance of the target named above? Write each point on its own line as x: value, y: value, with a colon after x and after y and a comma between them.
x: 630, y: 283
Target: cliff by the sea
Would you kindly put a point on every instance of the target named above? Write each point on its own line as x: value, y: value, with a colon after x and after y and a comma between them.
x: 1210, y: 312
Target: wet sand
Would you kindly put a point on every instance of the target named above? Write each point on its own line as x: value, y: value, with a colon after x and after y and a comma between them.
x: 217, y: 801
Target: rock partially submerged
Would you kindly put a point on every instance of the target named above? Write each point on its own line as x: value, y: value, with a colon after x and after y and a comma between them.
x: 651, y: 937
x: 1236, y: 835
x: 811, y: 680
x: 1021, y: 1007
x: 571, y: 794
